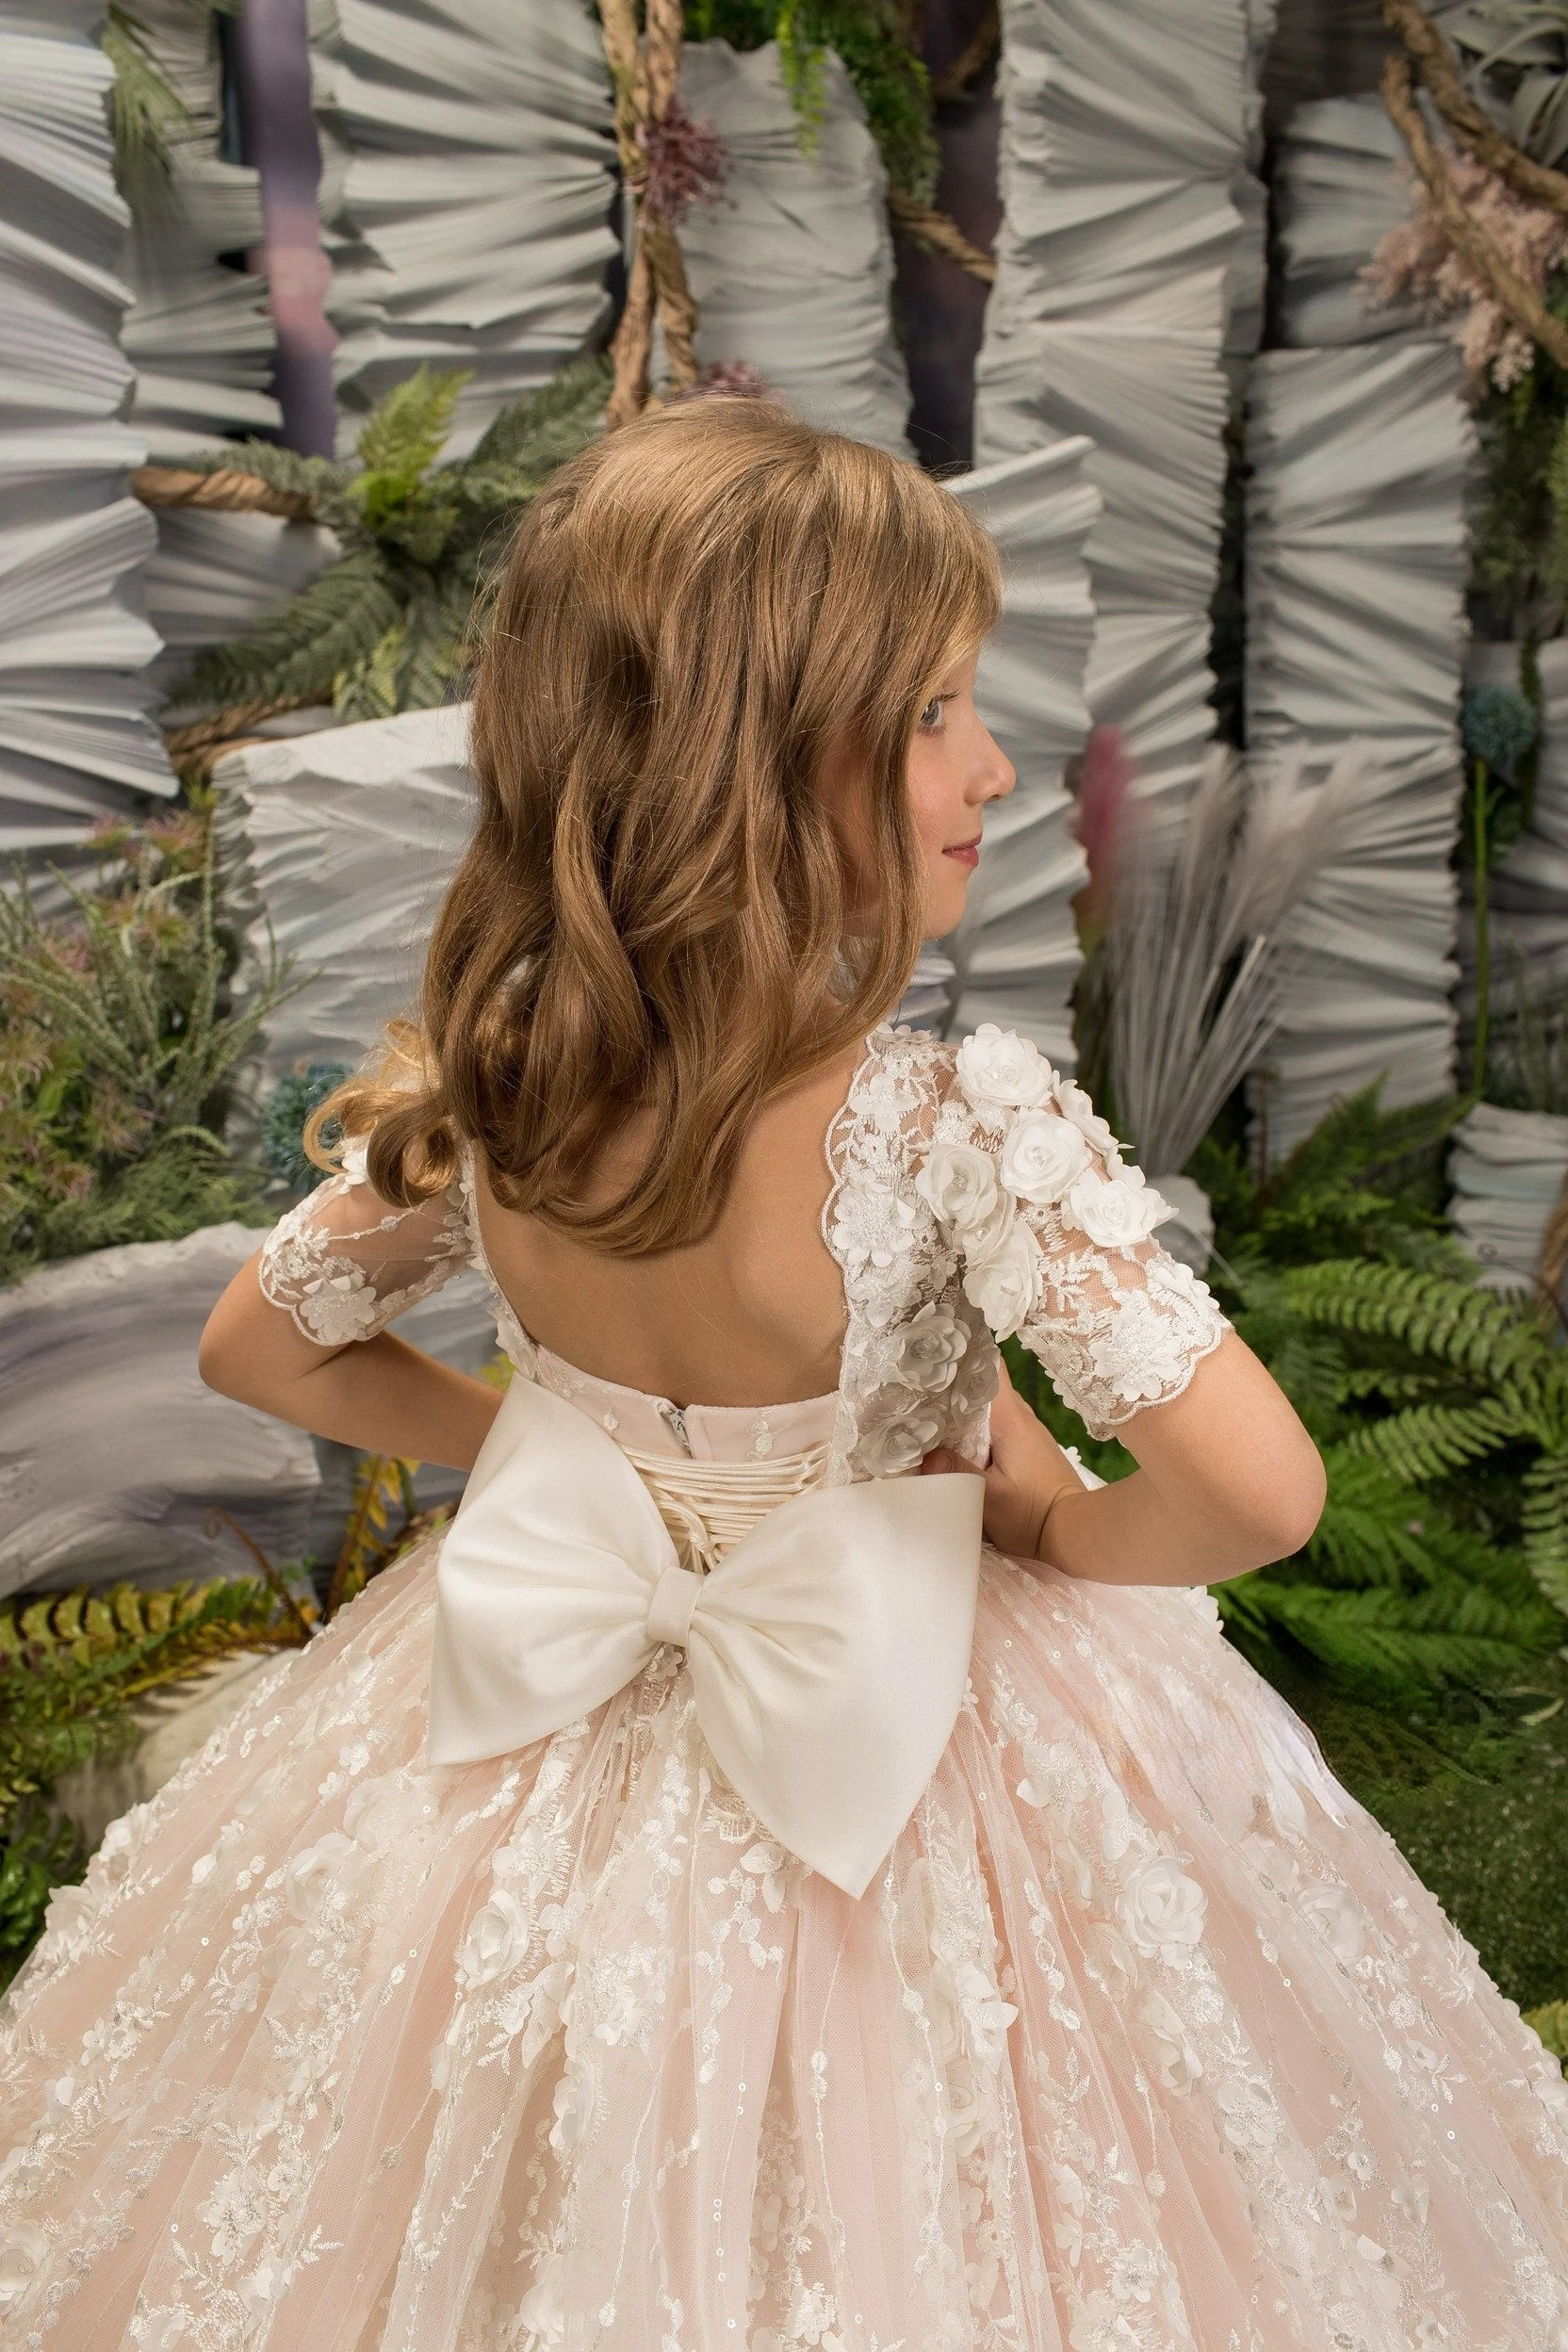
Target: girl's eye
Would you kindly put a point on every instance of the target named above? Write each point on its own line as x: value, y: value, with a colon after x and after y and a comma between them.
x: 932, y: 715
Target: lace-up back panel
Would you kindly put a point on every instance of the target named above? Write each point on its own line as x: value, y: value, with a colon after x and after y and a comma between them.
x: 972, y: 1193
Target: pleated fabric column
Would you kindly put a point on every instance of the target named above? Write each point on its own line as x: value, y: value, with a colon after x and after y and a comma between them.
x: 1016, y: 955
x: 75, y: 738
x: 1126, y: 131
x: 1361, y: 451
x: 199, y: 333
x: 467, y: 178
x: 792, y: 267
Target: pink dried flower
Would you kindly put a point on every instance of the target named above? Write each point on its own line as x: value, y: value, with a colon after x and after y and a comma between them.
x: 737, y: 377
x: 1417, y: 258
x: 1101, y: 778
x: 688, y: 163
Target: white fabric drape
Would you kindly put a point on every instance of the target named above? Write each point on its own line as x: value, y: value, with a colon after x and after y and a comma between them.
x: 467, y: 162
x: 792, y: 266
x: 1358, y: 558
x: 1124, y: 132
x: 1017, y: 951
x: 75, y: 740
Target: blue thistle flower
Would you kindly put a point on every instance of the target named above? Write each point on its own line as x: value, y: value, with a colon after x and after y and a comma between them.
x: 289, y: 1104
x: 1499, y: 725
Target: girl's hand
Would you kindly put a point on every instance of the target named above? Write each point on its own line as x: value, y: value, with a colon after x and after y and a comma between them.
x: 1026, y: 1472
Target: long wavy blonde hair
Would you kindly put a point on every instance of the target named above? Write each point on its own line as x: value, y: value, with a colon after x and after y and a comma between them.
x: 656, y: 913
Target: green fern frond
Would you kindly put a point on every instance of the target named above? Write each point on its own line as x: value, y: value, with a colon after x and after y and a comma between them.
x: 1428, y: 1442
x: 369, y: 687
x: 1449, y: 1633
x: 405, y: 433
x: 382, y: 1484
x: 536, y: 433
x: 1543, y: 1513
x: 1457, y: 1323
x: 146, y: 112
x: 1372, y: 1531
x: 335, y: 622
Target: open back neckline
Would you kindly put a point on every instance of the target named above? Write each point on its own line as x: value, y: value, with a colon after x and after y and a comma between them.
x: 530, y: 1353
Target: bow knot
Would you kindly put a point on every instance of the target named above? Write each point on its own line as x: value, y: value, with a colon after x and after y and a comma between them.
x: 675, y: 1597
x: 828, y: 1657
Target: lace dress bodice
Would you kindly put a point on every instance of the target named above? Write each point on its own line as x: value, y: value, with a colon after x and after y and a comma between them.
x: 974, y: 1194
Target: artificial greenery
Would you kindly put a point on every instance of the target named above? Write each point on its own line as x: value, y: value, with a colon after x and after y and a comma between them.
x: 282, y: 1126
x: 72, y: 1666
x: 872, y: 39
x: 117, y: 1039
x: 387, y: 626
x: 1520, y: 543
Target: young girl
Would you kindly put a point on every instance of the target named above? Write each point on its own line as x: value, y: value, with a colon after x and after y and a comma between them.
x: 713, y: 1897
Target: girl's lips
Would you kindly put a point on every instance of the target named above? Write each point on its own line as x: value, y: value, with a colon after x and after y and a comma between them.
x: 964, y: 853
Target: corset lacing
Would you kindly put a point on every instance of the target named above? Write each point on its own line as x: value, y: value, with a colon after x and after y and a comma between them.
x: 707, y: 1505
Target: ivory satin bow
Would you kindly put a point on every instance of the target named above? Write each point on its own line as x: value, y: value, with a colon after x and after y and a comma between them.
x: 828, y: 1650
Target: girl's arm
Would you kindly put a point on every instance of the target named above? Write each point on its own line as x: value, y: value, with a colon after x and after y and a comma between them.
x: 301, y: 1331
x: 1056, y: 1238
x: 1227, y: 1480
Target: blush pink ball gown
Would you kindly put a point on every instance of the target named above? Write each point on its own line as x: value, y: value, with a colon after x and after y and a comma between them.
x: 1139, y: 2036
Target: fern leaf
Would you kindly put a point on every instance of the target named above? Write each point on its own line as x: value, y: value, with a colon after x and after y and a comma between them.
x: 1456, y: 1322
x: 369, y: 689
x: 383, y: 1483
x: 534, y: 434
x: 1430, y: 1441
x: 1449, y: 1633
x: 298, y: 653
x: 406, y: 432
x: 1543, y: 1512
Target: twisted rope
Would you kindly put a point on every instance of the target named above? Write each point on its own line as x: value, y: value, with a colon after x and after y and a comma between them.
x: 226, y: 492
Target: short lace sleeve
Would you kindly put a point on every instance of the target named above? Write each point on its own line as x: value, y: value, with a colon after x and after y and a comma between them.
x: 344, y: 1263
x: 1055, y: 1234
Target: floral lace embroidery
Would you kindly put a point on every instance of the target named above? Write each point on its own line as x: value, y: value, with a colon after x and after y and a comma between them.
x: 344, y: 1265
x: 976, y: 1194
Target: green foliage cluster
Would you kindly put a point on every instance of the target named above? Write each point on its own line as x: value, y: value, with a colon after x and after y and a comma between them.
x: 283, y: 1127
x: 72, y: 1666
x: 872, y: 39
x: 116, y: 1041
x: 1520, y: 542
x: 388, y: 626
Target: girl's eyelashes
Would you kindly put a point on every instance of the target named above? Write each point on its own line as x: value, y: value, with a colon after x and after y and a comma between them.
x: 931, y: 717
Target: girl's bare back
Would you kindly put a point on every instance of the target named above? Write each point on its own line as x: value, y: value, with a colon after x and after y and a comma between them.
x: 753, y: 1314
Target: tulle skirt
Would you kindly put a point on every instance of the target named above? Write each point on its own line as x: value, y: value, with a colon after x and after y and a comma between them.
x: 1145, y: 2037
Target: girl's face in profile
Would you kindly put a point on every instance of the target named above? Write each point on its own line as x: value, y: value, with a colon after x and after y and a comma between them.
x: 956, y: 767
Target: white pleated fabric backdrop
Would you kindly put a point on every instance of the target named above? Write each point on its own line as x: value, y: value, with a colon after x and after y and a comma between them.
x: 75, y: 738
x: 1126, y: 135
x: 792, y: 267
x: 1362, y: 452
x: 1017, y: 954
x: 467, y: 177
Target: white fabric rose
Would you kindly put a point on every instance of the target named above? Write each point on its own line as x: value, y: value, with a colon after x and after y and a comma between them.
x: 313, y: 1874
x: 381, y: 1812
x: 958, y: 1184
x: 929, y: 1349
x: 338, y: 1308
x: 496, y: 1939
x: 1005, y: 1282
x: 899, y: 1446
x: 1337, y: 1915
x: 1075, y: 1105
x: 1163, y: 2041
x: 21, y: 2250
x: 543, y: 2311
x: 1160, y: 1908
x: 1041, y: 1156
x: 352, y: 1158
x: 999, y: 1070
x: 1114, y: 1211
